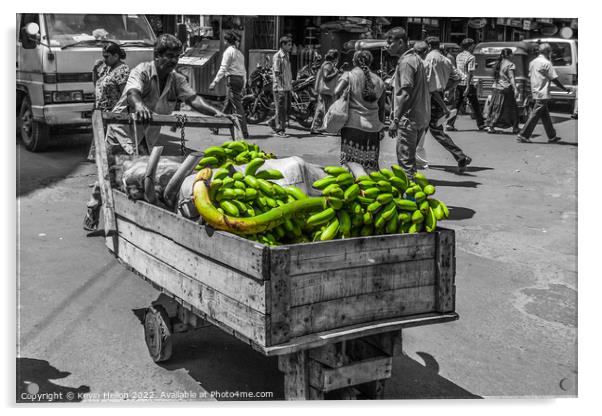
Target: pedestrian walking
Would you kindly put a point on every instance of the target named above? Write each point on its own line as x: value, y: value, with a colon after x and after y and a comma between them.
x: 360, y: 136
x: 465, y: 64
x: 421, y: 49
x: 411, y: 100
x: 326, y: 81
x: 109, y: 76
x: 541, y: 75
x: 503, y: 112
x: 150, y: 88
x: 282, y: 79
x: 441, y: 76
x: 233, y: 68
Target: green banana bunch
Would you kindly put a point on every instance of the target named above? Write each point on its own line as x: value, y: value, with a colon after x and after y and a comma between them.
x: 249, y: 204
x: 234, y: 153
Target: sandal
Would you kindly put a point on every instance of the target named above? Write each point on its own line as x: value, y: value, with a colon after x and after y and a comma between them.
x: 91, y: 219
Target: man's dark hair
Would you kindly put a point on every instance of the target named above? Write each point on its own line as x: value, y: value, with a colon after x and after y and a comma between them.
x: 397, y: 33
x: 285, y: 39
x: 166, y: 43
x: 433, y: 42
x: 231, y: 38
x: 467, y: 43
x: 331, y: 55
x: 420, y: 47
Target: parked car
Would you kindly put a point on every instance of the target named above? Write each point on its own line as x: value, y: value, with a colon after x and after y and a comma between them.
x: 55, y: 56
x: 486, y: 56
x: 564, y: 59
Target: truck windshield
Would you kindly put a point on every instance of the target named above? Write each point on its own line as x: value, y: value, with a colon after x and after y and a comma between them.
x: 561, y: 53
x: 69, y: 29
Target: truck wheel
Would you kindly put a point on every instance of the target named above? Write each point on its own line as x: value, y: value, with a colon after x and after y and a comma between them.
x: 34, y: 134
x: 157, y: 333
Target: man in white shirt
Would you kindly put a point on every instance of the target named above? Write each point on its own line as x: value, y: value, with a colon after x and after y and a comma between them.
x: 233, y: 68
x: 442, y: 76
x: 542, y: 74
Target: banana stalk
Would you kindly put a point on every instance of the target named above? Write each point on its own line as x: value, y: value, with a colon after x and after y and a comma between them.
x: 248, y: 225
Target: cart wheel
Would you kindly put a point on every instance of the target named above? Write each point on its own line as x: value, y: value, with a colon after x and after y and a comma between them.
x: 157, y: 333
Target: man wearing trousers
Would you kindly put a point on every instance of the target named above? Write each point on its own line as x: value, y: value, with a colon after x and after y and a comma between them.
x: 542, y: 74
x: 411, y: 100
x: 282, y: 85
x: 465, y: 64
x: 233, y: 68
x: 441, y: 76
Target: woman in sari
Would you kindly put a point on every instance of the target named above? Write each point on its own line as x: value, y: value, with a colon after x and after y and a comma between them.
x: 503, y: 112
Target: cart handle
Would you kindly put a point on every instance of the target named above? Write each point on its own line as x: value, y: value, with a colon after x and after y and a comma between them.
x: 170, y: 120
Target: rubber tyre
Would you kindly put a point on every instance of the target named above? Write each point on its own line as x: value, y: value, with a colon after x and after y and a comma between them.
x: 307, y: 121
x: 35, y: 135
x: 253, y: 117
x: 158, y: 334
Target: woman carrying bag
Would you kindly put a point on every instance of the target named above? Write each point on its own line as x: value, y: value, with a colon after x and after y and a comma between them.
x: 326, y: 81
x: 360, y: 134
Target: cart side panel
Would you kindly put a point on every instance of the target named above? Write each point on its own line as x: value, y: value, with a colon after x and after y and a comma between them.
x: 446, y: 270
x: 232, y: 283
x: 336, y: 284
x: 217, y: 306
x: 358, y: 309
x: 357, y: 252
x: 324, y: 286
x: 224, y: 248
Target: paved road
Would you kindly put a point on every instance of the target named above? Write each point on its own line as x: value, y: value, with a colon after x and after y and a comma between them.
x: 515, y: 216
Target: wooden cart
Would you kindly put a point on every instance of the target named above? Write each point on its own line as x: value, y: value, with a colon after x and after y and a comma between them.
x: 331, y: 311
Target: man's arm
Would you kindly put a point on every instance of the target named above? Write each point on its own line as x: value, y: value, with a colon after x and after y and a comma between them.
x: 137, y: 107
x: 202, y: 107
x: 400, y: 102
x: 454, y: 79
x: 470, y: 67
x: 278, y: 78
x: 559, y: 84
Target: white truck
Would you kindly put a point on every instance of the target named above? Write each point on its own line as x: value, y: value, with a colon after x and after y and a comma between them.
x: 55, y: 56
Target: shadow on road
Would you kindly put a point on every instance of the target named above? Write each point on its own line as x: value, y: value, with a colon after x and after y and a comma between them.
x: 454, y: 168
x: 422, y: 381
x: 455, y: 184
x: 39, y: 170
x: 460, y: 213
x: 33, y: 378
x: 220, y: 362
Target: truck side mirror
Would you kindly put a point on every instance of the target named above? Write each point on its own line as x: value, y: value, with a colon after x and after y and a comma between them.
x: 30, y: 35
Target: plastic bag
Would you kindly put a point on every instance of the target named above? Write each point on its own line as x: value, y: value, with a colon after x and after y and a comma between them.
x: 337, y: 115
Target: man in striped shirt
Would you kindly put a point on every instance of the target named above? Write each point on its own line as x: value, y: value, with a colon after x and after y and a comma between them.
x: 282, y: 79
x: 465, y: 63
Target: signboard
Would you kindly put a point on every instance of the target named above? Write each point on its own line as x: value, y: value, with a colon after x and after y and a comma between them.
x: 550, y: 21
x: 526, y: 25
x: 496, y: 50
x: 478, y: 23
x: 515, y: 23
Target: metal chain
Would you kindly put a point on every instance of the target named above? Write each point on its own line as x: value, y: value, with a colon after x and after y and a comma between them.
x: 182, y: 119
